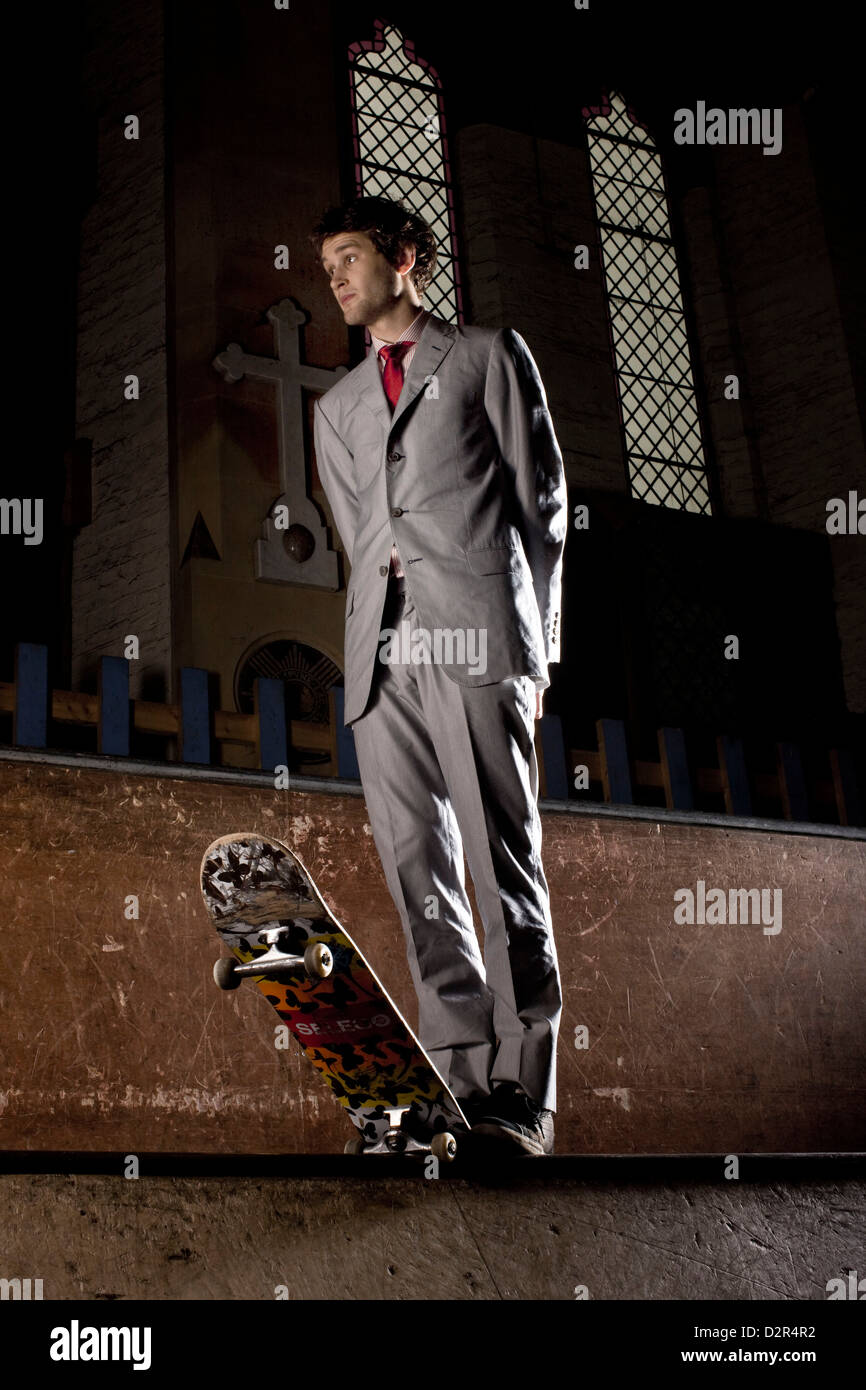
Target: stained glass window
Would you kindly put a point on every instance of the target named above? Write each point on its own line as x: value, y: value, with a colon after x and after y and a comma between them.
x: 659, y: 410
x: 401, y: 151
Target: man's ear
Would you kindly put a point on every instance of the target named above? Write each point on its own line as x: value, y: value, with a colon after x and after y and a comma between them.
x: 407, y: 259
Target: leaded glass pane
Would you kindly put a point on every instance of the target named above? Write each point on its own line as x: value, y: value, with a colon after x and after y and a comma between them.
x: 651, y: 358
x: 400, y: 148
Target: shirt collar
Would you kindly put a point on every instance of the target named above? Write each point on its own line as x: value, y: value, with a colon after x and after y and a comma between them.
x: 409, y: 335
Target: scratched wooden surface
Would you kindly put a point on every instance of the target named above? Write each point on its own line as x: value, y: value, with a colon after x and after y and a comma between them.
x: 97, y: 1237
x: 702, y: 1038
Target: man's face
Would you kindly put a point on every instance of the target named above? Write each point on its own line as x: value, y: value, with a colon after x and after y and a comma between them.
x: 365, y: 286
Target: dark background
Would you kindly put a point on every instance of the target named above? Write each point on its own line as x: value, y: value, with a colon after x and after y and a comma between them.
x: 530, y: 68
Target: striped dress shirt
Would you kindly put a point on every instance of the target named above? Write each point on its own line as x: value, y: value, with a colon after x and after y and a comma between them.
x: 410, y: 335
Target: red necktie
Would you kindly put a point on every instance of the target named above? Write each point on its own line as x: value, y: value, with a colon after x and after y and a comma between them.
x: 392, y: 377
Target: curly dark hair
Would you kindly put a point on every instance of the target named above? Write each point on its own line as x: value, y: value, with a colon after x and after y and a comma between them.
x: 390, y: 226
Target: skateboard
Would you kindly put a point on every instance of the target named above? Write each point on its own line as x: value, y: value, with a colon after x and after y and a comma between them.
x: 282, y: 935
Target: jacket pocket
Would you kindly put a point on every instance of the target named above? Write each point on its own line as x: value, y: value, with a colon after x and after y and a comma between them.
x: 493, y: 559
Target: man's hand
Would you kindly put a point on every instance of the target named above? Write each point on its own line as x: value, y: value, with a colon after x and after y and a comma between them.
x: 539, y: 696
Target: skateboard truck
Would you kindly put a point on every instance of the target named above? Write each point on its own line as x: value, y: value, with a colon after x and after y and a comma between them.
x: 317, y: 961
x: 398, y: 1140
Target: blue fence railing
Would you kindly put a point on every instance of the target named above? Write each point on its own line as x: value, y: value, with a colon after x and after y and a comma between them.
x: 564, y: 774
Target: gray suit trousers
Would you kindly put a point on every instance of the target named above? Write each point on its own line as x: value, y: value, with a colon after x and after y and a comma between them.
x: 447, y: 767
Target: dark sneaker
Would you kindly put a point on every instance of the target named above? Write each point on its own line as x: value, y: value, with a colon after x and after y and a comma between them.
x: 512, y: 1118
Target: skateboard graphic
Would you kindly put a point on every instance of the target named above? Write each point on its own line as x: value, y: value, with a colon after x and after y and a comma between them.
x: 268, y: 911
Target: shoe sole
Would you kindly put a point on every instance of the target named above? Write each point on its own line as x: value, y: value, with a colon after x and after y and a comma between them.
x: 504, y: 1135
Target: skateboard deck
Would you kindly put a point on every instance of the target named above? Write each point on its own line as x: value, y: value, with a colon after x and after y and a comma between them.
x: 281, y: 933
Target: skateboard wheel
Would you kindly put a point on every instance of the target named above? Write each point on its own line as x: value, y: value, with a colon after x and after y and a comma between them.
x: 444, y: 1147
x: 224, y: 973
x: 318, y: 959
x: 354, y: 1146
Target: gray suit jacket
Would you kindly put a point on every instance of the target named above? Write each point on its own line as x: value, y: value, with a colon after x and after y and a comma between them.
x: 466, y: 477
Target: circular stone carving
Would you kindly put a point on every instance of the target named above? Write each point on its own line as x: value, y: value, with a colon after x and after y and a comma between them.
x: 299, y: 543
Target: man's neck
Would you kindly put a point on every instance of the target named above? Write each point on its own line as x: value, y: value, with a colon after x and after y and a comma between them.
x: 390, y: 328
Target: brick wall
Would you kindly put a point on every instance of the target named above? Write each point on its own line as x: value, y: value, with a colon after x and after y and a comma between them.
x: 526, y: 204
x: 757, y: 274
x: 761, y: 277
x: 121, y: 580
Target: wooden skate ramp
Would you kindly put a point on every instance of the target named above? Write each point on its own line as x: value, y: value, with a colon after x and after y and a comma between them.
x: 707, y: 1037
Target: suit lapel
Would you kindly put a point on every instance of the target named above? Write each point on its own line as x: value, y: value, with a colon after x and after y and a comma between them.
x: 434, y: 345
x: 372, y: 392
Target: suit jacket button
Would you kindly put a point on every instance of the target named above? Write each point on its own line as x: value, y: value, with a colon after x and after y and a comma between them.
x: 394, y: 456
x: 383, y: 570
x: 396, y: 511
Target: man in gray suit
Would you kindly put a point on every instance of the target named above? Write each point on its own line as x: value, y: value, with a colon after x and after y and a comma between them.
x: 441, y: 466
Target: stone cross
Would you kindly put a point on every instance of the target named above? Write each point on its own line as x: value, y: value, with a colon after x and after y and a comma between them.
x: 298, y: 554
